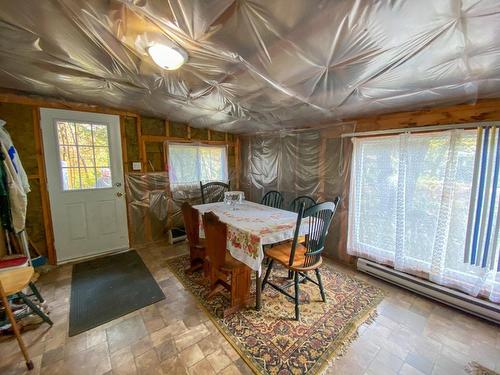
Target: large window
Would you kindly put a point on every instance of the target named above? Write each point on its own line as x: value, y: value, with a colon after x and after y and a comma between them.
x: 409, y: 207
x: 188, y: 164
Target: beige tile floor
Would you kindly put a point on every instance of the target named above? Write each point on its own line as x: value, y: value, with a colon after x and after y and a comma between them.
x: 411, y: 335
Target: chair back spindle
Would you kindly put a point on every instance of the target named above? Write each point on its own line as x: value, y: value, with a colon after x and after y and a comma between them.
x: 212, y: 192
x: 272, y: 199
x: 297, y: 202
x: 319, y: 219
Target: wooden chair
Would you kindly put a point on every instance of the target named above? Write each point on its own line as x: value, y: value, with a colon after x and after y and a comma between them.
x: 223, y: 266
x: 297, y: 203
x: 301, y: 258
x: 212, y: 192
x: 272, y: 199
x: 13, y: 282
x: 197, y: 250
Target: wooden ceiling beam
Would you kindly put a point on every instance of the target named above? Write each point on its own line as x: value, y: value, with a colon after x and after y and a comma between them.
x: 8, y: 96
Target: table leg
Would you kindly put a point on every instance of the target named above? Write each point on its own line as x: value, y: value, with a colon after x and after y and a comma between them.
x: 258, y: 286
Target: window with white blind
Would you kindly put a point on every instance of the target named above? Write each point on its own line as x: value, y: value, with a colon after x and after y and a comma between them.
x: 410, y: 206
x: 190, y: 163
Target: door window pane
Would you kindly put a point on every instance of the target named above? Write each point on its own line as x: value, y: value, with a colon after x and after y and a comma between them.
x: 69, y: 156
x: 66, y: 133
x: 84, y: 134
x: 103, y: 178
x: 84, y: 154
x: 71, y: 178
x: 100, y: 134
x: 87, y: 176
x: 101, y: 156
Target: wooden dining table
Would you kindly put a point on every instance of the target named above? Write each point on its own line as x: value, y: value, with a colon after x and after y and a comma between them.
x: 251, y: 226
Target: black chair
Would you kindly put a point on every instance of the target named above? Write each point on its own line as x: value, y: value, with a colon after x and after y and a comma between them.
x: 272, y: 199
x: 297, y: 203
x: 301, y: 258
x: 212, y: 192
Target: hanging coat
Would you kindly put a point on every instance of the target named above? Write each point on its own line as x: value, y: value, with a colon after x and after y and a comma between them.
x: 18, y: 198
x: 5, y: 217
x: 17, y: 180
x: 14, y: 157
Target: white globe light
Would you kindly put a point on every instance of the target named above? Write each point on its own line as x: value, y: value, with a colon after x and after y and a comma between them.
x: 167, y: 57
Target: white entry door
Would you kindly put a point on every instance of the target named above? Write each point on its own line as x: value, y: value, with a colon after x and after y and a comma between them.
x: 83, y: 159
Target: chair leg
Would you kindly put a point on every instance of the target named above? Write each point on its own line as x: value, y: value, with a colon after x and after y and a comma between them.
x: 35, y: 308
x: 297, y: 313
x: 268, y: 272
x: 35, y: 291
x: 321, y: 290
x: 206, y: 269
x: 304, y: 281
x: 193, y: 268
x: 215, y: 289
x: 290, y: 274
x: 12, y: 319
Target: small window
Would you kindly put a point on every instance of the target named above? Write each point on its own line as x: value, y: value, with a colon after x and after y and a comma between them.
x: 84, y: 155
x: 189, y: 164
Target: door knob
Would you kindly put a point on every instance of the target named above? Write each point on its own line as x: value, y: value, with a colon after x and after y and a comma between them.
x: 119, y: 194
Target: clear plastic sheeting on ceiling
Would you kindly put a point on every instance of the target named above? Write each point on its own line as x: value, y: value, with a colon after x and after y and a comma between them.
x: 255, y: 65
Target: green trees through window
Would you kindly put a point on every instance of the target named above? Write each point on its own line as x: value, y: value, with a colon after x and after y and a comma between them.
x: 84, y: 155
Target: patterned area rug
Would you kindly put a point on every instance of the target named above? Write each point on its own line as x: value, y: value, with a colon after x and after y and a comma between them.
x: 270, y: 340
x: 475, y: 368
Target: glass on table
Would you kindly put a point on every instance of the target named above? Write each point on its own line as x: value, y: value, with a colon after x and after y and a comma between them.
x: 234, y: 198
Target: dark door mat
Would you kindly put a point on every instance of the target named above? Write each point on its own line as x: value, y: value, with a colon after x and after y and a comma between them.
x: 106, y: 288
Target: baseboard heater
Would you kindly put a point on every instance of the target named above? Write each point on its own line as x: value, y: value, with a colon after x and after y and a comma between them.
x: 176, y: 235
x: 476, y: 306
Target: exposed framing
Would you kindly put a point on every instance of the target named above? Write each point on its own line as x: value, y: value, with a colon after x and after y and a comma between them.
x: 36, y: 102
x: 483, y: 110
x: 44, y: 194
x: 143, y: 140
x: 7, y: 96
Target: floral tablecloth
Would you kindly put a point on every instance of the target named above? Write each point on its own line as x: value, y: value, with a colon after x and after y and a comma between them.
x: 250, y: 226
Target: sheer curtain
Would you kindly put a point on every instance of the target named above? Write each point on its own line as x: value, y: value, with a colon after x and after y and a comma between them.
x: 189, y: 163
x: 409, y: 207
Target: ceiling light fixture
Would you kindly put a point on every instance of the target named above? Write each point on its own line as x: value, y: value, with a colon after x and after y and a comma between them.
x: 167, y: 57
